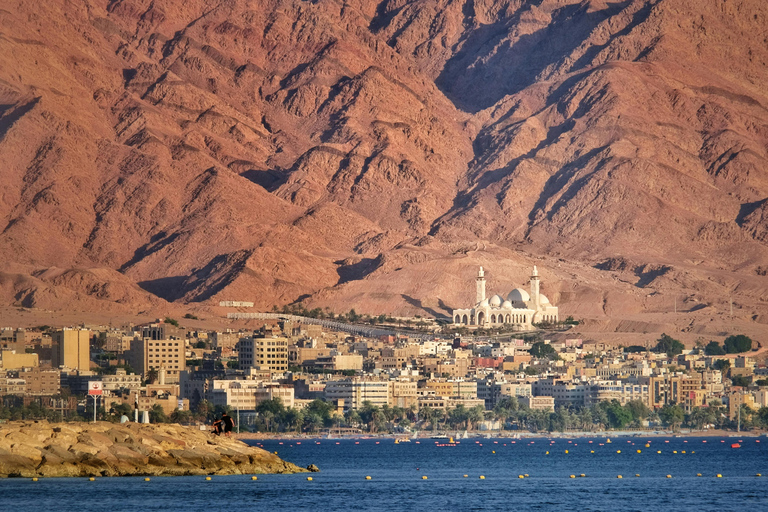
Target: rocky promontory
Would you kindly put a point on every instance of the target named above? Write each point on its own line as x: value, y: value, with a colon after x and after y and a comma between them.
x: 42, y: 449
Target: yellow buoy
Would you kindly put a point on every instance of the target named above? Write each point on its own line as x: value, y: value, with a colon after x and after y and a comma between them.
x: 309, y: 478
x: 547, y: 453
x: 591, y: 451
x: 424, y: 477
x: 254, y: 478
x: 526, y: 475
x: 618, y: 451
x: 566, y: 451
x: 34, y: 479
x: 465, y: 476
x: 719, y: 475
x: 275, y: 453
x: 755, y: 475
x: 619, y: 476
x: 482, y: 477
x: 637, y: 474
x: 582, y: 475
x: 494, y: 451
x: 698, y: 474
x: 658, y: 451
x: 521, y: 476
x: 638, y: 451
x: 91, y: 479
x: 693, y: 452
x: 683, y: 451
x: 669, y: 476
x: 674, y: 451
x: 207, y: 478
x: 146, y: 479
x: 573, y: 476
x: 647, y: 445
x: 367, y: 477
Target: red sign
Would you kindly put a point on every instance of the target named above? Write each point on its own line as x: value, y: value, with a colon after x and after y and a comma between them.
x: 95, y: 387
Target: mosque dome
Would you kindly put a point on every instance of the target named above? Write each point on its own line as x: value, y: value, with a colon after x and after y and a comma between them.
x: 518, y: 295
x: 543, y: 299
x: 495, y: 301
x: 483, y: 303
x: 506, y: 305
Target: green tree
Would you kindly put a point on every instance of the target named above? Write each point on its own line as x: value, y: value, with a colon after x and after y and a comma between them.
x: 634, y: 349
x: 273, y: 405
x: 672, y: 415
x: 313, y: 422
x: 543, y: 350
x: 741, y: 380
x: 178, y: 416
x: 669, y: 345
x: 427, y: 415
x: 157, y: 414
x: 321, y: 408
x: 294, y: 418
x: 618, y: 415
x: 737, y: 344
x: 722, y: 364
x: 713, y: 348
x: 638, y: 410
x: 474, y: 416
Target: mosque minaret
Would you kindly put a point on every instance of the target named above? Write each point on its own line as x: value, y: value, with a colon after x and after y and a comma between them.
x: 519, y: 310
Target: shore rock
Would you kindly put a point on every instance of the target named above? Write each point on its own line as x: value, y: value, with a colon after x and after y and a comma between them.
x: 34, y: 449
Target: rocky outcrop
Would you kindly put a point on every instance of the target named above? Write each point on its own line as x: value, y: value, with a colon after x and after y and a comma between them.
x: 41, y: 449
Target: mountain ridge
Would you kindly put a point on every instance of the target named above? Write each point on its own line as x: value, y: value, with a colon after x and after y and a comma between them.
x: 283, y: 151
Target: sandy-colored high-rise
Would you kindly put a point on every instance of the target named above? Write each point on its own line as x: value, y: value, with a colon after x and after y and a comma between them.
x: 71, y: 349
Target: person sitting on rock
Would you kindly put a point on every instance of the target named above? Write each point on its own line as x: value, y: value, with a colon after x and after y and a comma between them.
x: 226, y: 420
x: 216, y: 428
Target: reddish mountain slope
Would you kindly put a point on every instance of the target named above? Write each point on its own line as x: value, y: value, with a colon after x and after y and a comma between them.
x: 370, y: 155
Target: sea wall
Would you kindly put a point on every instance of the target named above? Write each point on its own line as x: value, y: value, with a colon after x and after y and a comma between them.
x: 42, y: 449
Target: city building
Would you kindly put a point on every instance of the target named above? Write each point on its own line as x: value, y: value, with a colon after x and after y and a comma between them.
x: 267, y: 353
x: 71, y: 349
x: 158, y: 354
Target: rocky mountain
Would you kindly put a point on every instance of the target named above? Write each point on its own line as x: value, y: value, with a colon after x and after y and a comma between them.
x: 371, y: 155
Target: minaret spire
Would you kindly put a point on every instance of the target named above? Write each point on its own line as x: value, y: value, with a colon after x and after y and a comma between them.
x: 535, y: 288
x: 480, y: 286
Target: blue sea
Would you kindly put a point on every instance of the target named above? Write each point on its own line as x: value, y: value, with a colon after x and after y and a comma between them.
x: 453, y: 478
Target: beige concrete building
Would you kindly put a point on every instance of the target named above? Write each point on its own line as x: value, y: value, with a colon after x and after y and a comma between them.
x: 353, y: 392
x: 41, y: 381
x: 13, y: 361
x: 71, y: 349
x: 538, y: 402
x: 148, y: 354
x: 245, y: 395
x: 267, y: 353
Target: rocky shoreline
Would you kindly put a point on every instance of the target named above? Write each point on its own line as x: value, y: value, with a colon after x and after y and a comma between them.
x: 42, y: 449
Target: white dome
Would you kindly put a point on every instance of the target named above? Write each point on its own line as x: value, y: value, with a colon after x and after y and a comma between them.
x: 543, y: 299
x: 506, y: 305
x: 495, y: 301
x: 518, y: 295
x: 483, y: 303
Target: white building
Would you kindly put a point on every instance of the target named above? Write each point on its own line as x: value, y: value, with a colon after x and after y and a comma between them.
x: 520, y: 309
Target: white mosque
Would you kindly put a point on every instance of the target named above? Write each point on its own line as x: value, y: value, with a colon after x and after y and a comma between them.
x: 519, y: 309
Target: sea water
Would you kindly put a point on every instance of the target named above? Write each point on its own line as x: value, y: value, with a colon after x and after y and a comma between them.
x: 453, y: 478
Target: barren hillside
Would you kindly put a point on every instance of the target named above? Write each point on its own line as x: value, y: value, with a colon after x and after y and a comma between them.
x: 371, y: 155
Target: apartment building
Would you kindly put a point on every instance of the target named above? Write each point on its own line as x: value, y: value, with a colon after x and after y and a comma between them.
x: 158, y: 354
x: 71, y: 349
